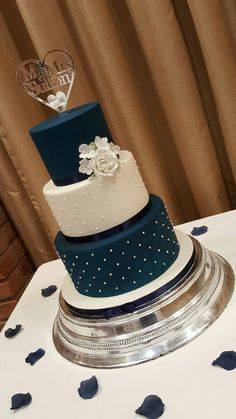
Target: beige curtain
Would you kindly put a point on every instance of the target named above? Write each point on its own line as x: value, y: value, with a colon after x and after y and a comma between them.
x: 165, y: 74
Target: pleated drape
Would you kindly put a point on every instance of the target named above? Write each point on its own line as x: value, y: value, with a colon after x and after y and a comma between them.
x: 164, y: 72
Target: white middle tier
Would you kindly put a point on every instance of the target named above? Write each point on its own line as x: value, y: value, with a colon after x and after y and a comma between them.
x: 95, y: 205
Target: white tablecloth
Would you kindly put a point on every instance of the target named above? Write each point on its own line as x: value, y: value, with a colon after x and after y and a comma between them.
x: 185, y: 380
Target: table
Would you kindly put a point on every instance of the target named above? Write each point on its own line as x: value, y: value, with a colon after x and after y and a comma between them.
x: 188, y: 384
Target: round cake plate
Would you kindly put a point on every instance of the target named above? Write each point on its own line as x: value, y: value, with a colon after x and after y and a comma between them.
x: 159, y: 327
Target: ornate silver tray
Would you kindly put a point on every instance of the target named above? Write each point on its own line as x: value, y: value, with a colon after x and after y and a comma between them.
x: 161, y: 326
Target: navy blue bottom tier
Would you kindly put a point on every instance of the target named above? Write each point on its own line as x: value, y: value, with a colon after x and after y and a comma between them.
x: 124, y: 261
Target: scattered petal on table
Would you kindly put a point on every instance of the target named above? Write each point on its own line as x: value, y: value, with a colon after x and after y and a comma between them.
x: 88, y: 388
x: 19, y: 399
x: 197, y: 231
x: 46, y: 292
x: 152, y: 407
x: 9, y: 333
x: 226, y: 360
x: 34, y: 356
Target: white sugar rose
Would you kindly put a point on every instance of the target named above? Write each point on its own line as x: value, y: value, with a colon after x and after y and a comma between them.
x: 104, y: 163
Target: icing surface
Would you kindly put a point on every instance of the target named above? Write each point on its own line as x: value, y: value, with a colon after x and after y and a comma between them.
x: 75, y: 299
x: 124, y: 261
x: 96, y: 205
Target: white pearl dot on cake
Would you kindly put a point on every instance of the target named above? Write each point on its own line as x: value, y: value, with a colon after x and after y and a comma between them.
x: 116, y: 221
x: 111, y: 250
x: 86, y: 290
x: 128, y: 180
x: 99, y: 290
x: 64, y: 198
x: 87, y: 263
x: 143, y: 232
x: 140, y: 270
x: 134, y: 282
x: 117, y: 288
x: 155, y: 261
x: 158, y: 250
x: 82, y: 192
x: 95, y: 198
x: 150, y: 273
x: 134, y: 257
x: 110, y: 273
x: 162, y: 236
x: 94, y: 277
x: 117, y: 264
x: 77, y: 205
x: 71, y: 269
x: 109, y: 202
x: 104, y: 259
x: 167, y: 251
x: 168, y: 239
x: 173, y: 242
x: 154, y: 234
x: 149, y: 247
x: 91, y: 210
x: 139, y: 245
x: 103, y: 216
x: 163, y: 225
x: 62, y: 209
x: 90, y: 285
x: 83, y: 271
x: 127, y: 241
x: 144, y: 259
x: 64, y: 256
x: 156, y: 222
x: 72, y: 215
x: 97, y: 228
x: 92, y: 254
x: 162, y: 213
x: 126, y: 194
x: 105, y: 283
x: 168, y: 228
x: 173, y: 253
x: 164, y: 263
x: 84, y: 223
x: 73, y: 264
x: 99, y: 269
x: 114, y: 190
x: 122, y: 277
x: 129, y: 267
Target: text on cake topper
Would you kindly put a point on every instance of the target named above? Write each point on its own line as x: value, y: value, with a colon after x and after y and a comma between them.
x: 50, y: 80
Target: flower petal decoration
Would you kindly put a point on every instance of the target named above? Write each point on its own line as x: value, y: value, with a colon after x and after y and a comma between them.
x: 9, y: 333
x: 34, y: 356
x: 197, y: 231
x: 46, y: 292
x: 88, y: 388
x: 152, y: 407
x: 20, y: 399
x: 226, y: 360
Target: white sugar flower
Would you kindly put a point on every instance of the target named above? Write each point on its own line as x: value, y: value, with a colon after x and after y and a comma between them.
x: 115, y: 148
x: 86, y: 151
x: 104, y: 163
x: 102, y: 143
x: 85, y: 167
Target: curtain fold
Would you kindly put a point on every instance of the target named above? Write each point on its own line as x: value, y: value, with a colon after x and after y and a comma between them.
x: 164, y: 72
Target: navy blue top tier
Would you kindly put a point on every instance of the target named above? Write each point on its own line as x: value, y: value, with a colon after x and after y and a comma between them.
x: 58, y: 139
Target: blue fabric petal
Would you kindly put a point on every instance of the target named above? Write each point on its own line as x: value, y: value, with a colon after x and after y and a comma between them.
x: 197, y: 231
x: 46, y: 292
x: 9, y: 333
x: 20, y: 399
x: 152, y: 407
x: 88, y: 388
x: 226, y: 360
x: 34, y: 356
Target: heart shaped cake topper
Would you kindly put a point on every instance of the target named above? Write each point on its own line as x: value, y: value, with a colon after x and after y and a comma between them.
x: 49, y: 81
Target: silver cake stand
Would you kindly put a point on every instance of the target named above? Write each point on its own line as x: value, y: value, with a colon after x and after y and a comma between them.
x: 157, y: 328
